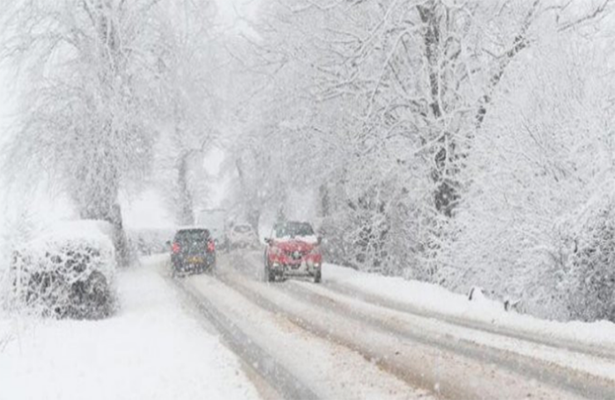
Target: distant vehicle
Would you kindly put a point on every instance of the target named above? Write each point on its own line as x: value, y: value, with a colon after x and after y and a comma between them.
x: 192, y: 250
x: 242, y: 236
x: 150, y: 241
x: 293, y: 249
x: 214, y: 219
x: 68, y: 271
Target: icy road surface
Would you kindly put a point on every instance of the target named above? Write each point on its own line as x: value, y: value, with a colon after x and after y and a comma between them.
x: 317, y: 341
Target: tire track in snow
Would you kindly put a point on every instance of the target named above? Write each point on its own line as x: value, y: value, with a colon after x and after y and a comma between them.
x: 577, y: 381
x: 288, y: 385
x: 442, y: 371
x: 333, y: 371
x: 607, y: 353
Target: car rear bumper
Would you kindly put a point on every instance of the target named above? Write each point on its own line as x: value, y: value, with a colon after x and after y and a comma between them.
x: 303, y: 268
x: 193, y: 263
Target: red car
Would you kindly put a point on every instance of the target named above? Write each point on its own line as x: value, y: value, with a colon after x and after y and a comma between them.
x: 293, y: 249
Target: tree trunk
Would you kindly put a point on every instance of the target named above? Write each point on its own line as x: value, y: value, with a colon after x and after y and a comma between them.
x: 185, y: 201
x: 113, y: 215
x: 323, y: 193
x: 446, y: 194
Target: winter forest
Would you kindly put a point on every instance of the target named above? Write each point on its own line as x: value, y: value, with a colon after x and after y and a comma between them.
x: 458, y: 142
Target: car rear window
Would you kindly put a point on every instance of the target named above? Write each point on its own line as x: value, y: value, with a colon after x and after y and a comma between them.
x: 293, y: 229
x: 192, y: 235
x: 242, y: 228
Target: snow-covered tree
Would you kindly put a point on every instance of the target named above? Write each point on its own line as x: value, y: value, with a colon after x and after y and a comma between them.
x: 535, y: 224
x: 189, y: 67
x: 384, y: 109
x: 89, y: 99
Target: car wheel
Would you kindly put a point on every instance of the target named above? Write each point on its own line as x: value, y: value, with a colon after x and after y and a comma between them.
x: 269, y: 274
x: 175, y: 271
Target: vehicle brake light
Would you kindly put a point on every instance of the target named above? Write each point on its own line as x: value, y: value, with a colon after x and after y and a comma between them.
x: 175, y: 248
x: 211, y: 246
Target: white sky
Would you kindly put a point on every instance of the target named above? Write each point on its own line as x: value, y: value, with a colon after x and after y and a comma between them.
x: 5, y: 103
x: 234, y: 16
x: 5, y: 110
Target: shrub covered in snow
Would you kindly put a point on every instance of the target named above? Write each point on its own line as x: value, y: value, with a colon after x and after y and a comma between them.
x: 534, y: 222
x: 593, y: 264
x: 68, y: 271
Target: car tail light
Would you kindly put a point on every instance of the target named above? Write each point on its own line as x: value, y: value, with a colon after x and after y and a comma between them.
x: 175, y: 248
x: 211, y: 246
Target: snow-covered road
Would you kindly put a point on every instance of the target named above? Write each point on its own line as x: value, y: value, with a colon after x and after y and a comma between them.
x: 335, y: 344
x: 293, y: 362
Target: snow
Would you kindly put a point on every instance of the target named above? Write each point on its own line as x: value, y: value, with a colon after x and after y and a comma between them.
x: 435, y: 299
x: 218, y: 185
x: 152, y: 349
x: 67, y: 240
x: 385, y: 334
x: 147, y: 211
x: 235, y: 17
x: 311, y: 239
x: 332, y: 370
x: 97, y: 234
x: 499, y: 178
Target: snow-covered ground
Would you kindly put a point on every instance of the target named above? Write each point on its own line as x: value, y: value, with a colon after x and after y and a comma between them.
x: 431, y: 298
x: 152, y: 349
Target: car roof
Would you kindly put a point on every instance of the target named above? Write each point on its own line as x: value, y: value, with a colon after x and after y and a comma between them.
x: 293, y: 223
x: 192, y: 229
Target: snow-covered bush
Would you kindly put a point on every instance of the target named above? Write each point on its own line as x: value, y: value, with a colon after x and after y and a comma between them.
x: 69, y: 271
x: 592, y: 294
x: 540, y: 181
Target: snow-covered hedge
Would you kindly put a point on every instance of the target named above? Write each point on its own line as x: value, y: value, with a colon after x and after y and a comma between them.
x: 592, y: 262
x: 69, y: 271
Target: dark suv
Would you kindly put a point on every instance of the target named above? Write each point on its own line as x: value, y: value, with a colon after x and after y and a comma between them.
x: 193, y: 250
